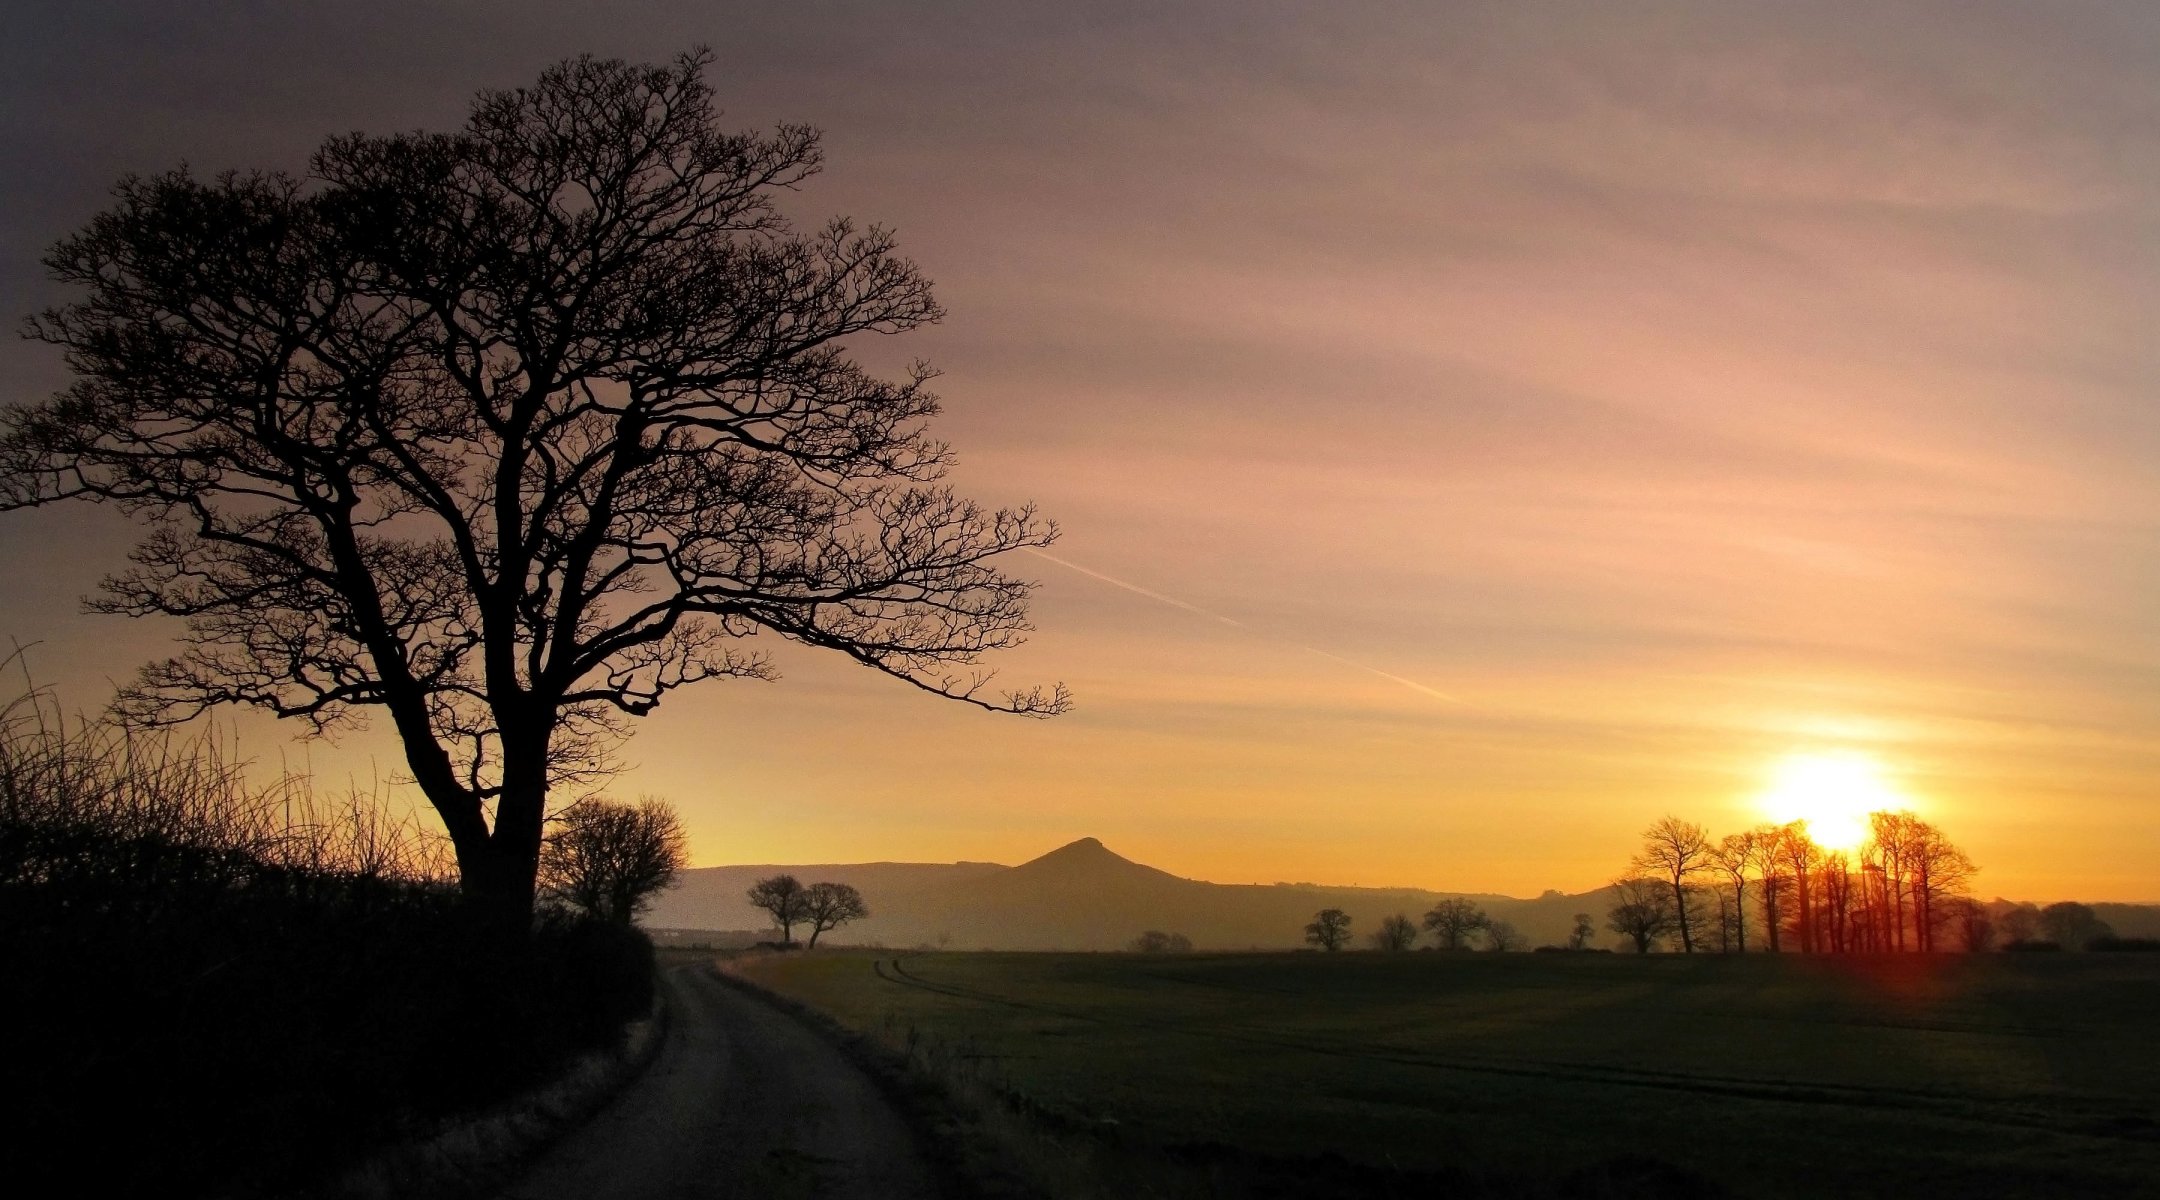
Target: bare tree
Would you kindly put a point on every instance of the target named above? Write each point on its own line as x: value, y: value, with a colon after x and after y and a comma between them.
x: 1453, y: 920
x: 1676, y: 851
x: 1585, y: 928
x: 1642, y: 911
x: 785, y: 899
x: 1396, y: 934
x: 611, y: 859
x: 828, y: 906
x: 1502, y: 937
x: 1734, y: 857
x: 1155, y: 941
x: 1766, y: 858
x: 510, y: 433
x: 2016, y: 922
x: 1329, y: 930
x: 1798, y: 856
x: 1974, y: 928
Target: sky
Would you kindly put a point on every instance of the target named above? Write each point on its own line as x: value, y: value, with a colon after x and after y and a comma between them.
x: 1478, y: 430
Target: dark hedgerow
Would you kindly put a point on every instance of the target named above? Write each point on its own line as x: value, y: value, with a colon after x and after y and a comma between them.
x: 217, y: 998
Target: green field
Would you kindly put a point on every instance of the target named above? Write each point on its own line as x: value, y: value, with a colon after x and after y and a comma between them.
x: 1774, y: 1076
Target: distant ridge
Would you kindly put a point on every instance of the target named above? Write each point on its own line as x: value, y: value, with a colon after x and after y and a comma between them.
x: 1085, y: 896
x: 1080, y: 896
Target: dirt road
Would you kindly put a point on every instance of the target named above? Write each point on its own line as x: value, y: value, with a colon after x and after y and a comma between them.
x: 742, y: 1101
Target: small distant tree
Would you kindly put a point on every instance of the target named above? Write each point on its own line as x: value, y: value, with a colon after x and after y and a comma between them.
x: 1642, y: 911
x: 1396, y: 934
x: 2072, y: 925
x: 1676, y: 851
x: 1330, y: 929
x: 1970, y: 921
x: 828, y: 906
x: 611, y: 859
x: 1579, y: 937
x: 1155, y: 941
x: 2016, y: 922
x: 785, y: 899
x: 1454, y: 920
x: 1502, y: 937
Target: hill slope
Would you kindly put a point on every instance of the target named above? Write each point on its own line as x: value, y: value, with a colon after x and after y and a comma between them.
x: 1081, y: 896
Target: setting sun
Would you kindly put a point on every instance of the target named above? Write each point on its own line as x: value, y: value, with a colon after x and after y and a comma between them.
x: 1833, y: 793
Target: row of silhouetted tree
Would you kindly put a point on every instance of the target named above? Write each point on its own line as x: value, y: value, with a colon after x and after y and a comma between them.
x: 1904, y: 889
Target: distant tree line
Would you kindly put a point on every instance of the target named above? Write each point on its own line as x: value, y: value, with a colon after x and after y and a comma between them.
x: 1903, y: 890
x: 1456, y: 923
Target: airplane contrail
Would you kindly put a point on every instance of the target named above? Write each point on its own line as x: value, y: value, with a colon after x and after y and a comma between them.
x: 1198, y: 611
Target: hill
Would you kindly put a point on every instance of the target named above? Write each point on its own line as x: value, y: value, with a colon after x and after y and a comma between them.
x: 1081, y: 896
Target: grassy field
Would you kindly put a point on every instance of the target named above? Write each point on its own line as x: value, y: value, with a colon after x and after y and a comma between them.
x: 1777, y: 1077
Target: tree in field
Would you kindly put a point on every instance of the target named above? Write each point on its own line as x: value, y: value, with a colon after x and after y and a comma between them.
x: 1733, y: 857
x: 1453, y: 920
x: 1798, y: 856
x: 1329, y: 930
x: 2072, y: 925
x: 1766, y: 859
x: 1642, y: 911
x: 612, y: 859
x: 2017, y: 922
x: 1155, y: 941
x: 1940, y: 873
x: 1970, y: 923
x: 1585, y: 928
x: 510, y: 433
x: 1396, y: 934
x: 1502, y: 937
x: 1676, y: 851
x: 785, y: 899
x: 828, y: 906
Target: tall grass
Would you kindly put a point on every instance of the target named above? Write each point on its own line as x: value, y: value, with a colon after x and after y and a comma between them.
x: 234, y: 988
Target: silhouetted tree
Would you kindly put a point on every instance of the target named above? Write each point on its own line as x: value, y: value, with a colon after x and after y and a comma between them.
x: 1676, y: 850
x: 1642, y: 911
x: 1501, y: 937
x: 1765, y: 850
x: 828, y: 906
x: 1578, y: 938
x: 785, y: 899
x: 2016, y: 922
x: 1329, y: 930
x: 1396, y: 933
x: 611, y: 859
x: 1969, y: 918
x: 1155, y: 941
x: 1453, y: 920
x: 1734, y: 857
x: 1798, y: 856
x: 510, y: 433
x: 2072, y: 925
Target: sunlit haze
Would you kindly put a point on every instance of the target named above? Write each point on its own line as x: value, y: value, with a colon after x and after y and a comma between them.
x: 1833, y: 793
x: 1478, y: 429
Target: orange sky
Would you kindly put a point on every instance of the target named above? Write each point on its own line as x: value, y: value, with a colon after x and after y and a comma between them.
x: 1671, y: 387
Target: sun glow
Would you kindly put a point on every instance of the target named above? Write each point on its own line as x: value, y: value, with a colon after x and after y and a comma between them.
x: 1833, y: 793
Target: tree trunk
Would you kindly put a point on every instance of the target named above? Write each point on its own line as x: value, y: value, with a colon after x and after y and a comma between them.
x: 1679, y: 892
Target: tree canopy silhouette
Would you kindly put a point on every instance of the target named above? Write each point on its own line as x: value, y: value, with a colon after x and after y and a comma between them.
x: 511, y: 432
x: 611, y: 859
